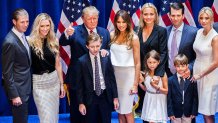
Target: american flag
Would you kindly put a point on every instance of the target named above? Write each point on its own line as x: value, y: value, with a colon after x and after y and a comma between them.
x: 131, y: 6
x: 215, y: 10
x: 164, y: 13
x: 71, y: 13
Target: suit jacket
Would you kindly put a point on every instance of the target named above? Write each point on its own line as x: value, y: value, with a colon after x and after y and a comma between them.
x: 77, y: 43
x: 215, y: 26
x: 175, y: 98
x: 186, y: 44
x: 85, y: 91
x: 16, y: 68
x: 156, y: 41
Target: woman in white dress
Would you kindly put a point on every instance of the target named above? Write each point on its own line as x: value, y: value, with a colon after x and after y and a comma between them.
x: 125, y: 57
x: 205, y: 66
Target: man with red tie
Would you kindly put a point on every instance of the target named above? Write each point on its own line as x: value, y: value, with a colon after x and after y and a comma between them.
x: 76, y: 38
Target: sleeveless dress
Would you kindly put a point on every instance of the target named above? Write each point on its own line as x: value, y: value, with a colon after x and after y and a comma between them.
x: 124, y: 70
x: 46, y: 85
x: 207, y: 85
x: 154, y: 105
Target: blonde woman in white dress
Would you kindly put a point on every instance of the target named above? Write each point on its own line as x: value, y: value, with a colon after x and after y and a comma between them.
x: 205, y: 66
x: 125, y: 57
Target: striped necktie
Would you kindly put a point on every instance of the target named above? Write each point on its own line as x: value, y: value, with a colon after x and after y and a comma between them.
x: 97, y: 78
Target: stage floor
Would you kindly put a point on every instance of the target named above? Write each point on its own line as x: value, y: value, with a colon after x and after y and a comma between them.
x: 64, y: 118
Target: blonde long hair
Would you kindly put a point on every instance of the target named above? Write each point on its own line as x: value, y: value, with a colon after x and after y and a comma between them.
x: 36, y: 42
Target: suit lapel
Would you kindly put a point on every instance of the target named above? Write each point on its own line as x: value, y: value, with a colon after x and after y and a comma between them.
x: 176, y: 82
x: 168, y: 32
x: 183, y: 38
x: 19, y: 42
x: 84, y: 35
x: 152, y: 35
x: 187, y: 82
x: 103, y: 65
x: 89, y: 65
x: 29, y: 52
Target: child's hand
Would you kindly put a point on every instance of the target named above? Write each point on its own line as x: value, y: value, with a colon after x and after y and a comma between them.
x: 116, y: 103
x: 133, y: 90
x: 172, y: 117
x: 82, y: 109
x: 142, y: 86
x: 192, y: 116
x: 155, y: 80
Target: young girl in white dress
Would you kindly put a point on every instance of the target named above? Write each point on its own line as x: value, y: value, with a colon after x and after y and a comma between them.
x: 155, y: 101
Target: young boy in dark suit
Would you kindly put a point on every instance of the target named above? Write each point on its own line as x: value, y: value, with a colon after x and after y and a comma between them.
x: 97, y: 89
x: 182, y: 98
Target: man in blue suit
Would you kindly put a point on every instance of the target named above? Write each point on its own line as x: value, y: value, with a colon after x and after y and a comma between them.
x: 76, y: 38
x: 215, y: 26
x: 183, y: 35
x: 97, y: 89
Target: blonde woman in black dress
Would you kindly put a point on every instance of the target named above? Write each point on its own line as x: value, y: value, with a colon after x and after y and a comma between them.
x: 47, y: 70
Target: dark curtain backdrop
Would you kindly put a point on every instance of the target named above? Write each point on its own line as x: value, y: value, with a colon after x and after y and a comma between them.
x: 53, y: 8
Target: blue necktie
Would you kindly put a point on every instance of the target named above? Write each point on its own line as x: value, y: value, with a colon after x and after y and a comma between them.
x: 182, y: 88
x: 182, y: 82
x: 97, y: 78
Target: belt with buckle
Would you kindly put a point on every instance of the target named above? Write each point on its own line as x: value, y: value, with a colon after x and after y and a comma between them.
x: 45, y: 71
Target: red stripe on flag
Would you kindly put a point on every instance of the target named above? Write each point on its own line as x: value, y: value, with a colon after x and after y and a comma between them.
x: 185, y: 21
x: 215, y: 14
x: 138, y: 13
x: 64, y: 55
x: 166, y: 20
x: 133, y: 25
x: 61, y: 27
x: 74, y: 24
x: 187, y: 3
x: 112, y: 16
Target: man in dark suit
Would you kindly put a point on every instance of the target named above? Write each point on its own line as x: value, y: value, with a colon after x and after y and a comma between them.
x: 76, y: 37
x: 97, y: 89
x: 16, y: 65
x: 215, y: 26
x: 182, y: 98
x: 183, y: 35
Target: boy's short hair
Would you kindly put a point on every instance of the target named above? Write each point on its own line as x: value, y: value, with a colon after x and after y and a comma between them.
x: 180, y: 59
x: 93, y: 37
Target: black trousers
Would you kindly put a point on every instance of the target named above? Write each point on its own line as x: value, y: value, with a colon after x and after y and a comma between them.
x: 75, y: 115
x: 100, y: 110
x: 20, y: 113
